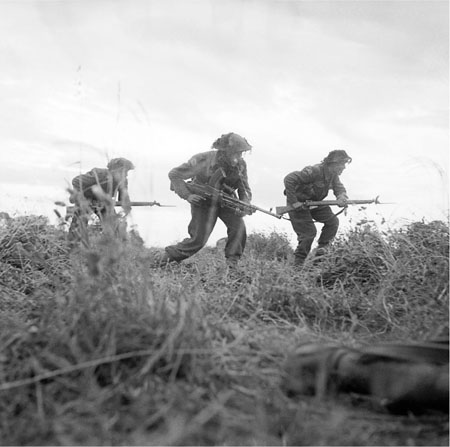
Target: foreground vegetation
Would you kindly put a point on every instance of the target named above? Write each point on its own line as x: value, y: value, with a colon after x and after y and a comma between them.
x: 96, y: 348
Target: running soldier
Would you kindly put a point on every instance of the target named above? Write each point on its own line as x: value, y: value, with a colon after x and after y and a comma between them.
x: 314, y: 183
x: 225, y: 157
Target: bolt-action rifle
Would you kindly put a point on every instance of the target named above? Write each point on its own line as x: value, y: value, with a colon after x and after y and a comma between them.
x: 154, y: 203
x: 315, y: 203
x: 214, y: 195
x: 71, y: 209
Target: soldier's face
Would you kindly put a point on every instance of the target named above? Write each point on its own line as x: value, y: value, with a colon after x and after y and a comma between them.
x: 337, y: 168
x: 233, y: 158
x: 120, y: 174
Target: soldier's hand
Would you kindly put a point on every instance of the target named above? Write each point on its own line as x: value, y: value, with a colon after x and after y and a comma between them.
x: 342, y: 201
x: 249, y: 210
x: 74, y: 196
x: 299, y: 206
x: 126, y: 208
x: 242, y: 212
x: 195, y: 199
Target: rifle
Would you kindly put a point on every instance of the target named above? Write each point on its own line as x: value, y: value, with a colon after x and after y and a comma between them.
x: 315, y: 203
x: 71, y: 209
x: 208, y: 192
x: 154, y: 203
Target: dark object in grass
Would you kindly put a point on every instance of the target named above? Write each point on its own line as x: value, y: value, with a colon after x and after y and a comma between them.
x: 402, y: 377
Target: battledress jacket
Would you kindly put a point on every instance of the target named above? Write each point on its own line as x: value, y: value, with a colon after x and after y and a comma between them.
x: 102, y: 178
x: 312, y: 183
x: 201, y: 167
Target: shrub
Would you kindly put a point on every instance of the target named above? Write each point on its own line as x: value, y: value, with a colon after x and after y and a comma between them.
x: 393, y: 279
x: 90, y: 347
x: 33, y: 259
x: 272, y: 246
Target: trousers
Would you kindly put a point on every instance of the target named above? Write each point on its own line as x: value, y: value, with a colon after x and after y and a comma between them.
x: 303, y: 224
x: 203, y: 220
x: 78, y: 230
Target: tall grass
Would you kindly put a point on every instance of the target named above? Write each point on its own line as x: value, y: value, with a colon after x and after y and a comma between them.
x: 98, y: 348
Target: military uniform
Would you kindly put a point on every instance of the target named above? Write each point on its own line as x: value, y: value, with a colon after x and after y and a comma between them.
x: 102, y: 177
x: 312, y: 183
x: 86, y: 198
x: 200, y: 168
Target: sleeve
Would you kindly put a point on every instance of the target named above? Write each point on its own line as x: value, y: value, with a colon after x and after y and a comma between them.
x: 83, y: 181
x: 338, y: 188
x: 184, y: 172
x: 243, y: 189
x: 297, y: 185
x: 123, y: 195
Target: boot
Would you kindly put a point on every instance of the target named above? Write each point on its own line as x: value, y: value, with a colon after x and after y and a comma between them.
x: 321, y: 250
x: 232, y: 264
x: 299, y: 262
x: 161, y: 260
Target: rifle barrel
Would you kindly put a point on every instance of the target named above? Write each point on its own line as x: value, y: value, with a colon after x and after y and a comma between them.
x: 310, y: 203
x: 139, y: 203
x: 335, y: 202
x: 154, y: 203
x: 262, y: 210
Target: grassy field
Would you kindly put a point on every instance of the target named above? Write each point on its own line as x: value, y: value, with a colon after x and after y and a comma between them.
x: 97, y: 348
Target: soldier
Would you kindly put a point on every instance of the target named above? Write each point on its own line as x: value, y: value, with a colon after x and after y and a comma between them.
x: 94, y: 191
x: 226, y: 156
x: 313, y: 183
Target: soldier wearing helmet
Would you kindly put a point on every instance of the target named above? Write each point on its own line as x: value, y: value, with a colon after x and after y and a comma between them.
x: 314, y: 183
x: 94, y: 191
x: 226, y: 155
x: 117, y: 164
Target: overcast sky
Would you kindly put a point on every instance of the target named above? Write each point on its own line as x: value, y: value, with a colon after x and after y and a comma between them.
x: 157, y: 81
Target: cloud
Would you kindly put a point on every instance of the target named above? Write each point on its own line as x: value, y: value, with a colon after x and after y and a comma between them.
x: 157, y: 81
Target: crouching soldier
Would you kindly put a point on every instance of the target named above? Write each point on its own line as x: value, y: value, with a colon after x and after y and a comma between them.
x: 224, y: 158
x: 314, y: 183
x: 95, y: 191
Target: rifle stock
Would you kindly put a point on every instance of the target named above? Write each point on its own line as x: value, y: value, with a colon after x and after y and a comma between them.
x: 315, y: 203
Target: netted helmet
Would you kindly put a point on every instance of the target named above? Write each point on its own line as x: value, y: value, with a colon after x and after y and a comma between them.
x: 120, y: 163
x: 337, y: 156
x: 231, y: 142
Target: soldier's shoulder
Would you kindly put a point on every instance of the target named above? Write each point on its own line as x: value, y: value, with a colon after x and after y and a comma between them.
x: 202, y: 157
x: 292, y: 174
x: 310, y: 170
x: 97, y: 171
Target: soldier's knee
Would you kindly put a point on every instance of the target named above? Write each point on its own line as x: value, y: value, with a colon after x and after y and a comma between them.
x: 309, y: 233
x: 306, y: 240
x: 333, y: 222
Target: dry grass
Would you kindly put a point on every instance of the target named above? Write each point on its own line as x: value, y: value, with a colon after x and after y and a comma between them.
x: 96, y: 348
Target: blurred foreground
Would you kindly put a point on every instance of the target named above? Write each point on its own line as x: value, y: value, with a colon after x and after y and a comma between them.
x: 97, y: 348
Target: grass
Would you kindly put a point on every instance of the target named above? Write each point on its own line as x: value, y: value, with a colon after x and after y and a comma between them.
x: 96, y: 348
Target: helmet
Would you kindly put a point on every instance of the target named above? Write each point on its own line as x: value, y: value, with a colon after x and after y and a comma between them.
x: 120, y: 163
x: 337, y: 156
x: 232, y: 142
